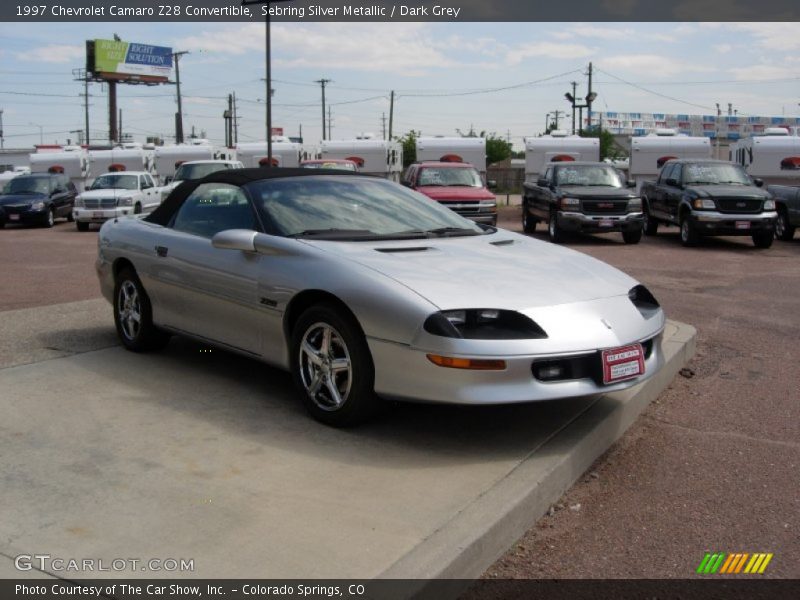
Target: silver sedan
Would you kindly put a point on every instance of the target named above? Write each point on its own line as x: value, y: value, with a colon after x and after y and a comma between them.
x: 365, y: 290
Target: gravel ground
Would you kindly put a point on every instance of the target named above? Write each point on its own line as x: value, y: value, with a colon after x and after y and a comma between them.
x: 713, y: 464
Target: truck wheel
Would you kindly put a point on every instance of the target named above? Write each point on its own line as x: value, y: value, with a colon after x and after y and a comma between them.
x: 632, y: 237
x: 553, y: 230
x: 70, y: 217
x: 783, y: 230
x: 50, y: 218
x: 528, y: 223
x: 137, y: 209
x: 689, y: 235
x: 82, y: 226
x: 763, y: 239
x: 650, y: 224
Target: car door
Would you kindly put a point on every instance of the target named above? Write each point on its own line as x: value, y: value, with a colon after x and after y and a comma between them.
x: 541, y: 196
x: 674, y: 193
x: 146, y: 189
x: 210, y: 292
x: 58, y: 195
x: 657, y: 202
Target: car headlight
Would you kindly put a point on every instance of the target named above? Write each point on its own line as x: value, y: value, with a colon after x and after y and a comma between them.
x: 483, y: 324
x: 644, y: 301
x: 37, y: 205
x: 704, y: 204
x: 79, y: 202
x: 769, y: 204
x: 570, y: 203
x: 635, y: 205
x: 125, y: 201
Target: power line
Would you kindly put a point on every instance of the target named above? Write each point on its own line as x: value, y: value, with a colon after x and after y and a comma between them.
x: 644, y: 89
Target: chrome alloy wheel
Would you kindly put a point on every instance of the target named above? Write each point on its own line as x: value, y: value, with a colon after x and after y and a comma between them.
x: 325, y: 367
x: 129, y: 309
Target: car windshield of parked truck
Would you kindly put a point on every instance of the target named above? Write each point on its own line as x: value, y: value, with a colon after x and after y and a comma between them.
x: 348, y: 207
x: 715, y: 174
x: 586, y: 175
x: 115, y: 181
x: 342, y: 166
x: 187, y: 172
x: 444, y: 176
x: 27, y: 185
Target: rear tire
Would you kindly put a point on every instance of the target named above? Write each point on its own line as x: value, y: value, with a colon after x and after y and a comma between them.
x: 133, y: 315
x: 632, y: 237
x: 528, y: 223
x: 50, y: 218
x: 554, y: 231
x: 70, y: 217
x: 689, y: 235
x: 650, y: 224
x: 783, y: 230
x: 332, y: 367
x: 763, y: 239
x: 82, y: 226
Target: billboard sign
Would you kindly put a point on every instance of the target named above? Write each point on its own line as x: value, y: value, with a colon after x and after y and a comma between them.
x: 130, y: 58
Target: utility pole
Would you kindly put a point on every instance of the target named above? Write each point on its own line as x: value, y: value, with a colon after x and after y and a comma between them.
x: 556, y: 115
x: 112, y: 111
x: 323, y: 82
x: 330, y: 123
x: 179, y: 115
x: 2, y: 141
x: 235, y: 121
x: 589, y: 99
x: 383, y: 122
x: 119, y: 137
x: 574, y: 92
x: 82, y: 75
x: 391, y: 114
x: 228, y: 116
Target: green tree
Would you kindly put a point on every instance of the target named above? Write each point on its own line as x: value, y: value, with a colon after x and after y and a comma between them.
x: 607, y: 147
x: 409, y: 142
x: 497, y: 149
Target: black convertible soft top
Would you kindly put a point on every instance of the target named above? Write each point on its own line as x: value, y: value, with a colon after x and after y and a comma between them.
x: 163, y: 214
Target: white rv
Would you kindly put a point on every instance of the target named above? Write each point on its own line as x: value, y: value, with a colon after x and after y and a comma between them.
x: 650, y: 152
x: 284, y: 153
x: 72, y: 161
x: 375, y: 157
x: 558, y: 146
x: 168, y: 158
x: 120, y: 159
x: 470, y: 150
x: 773, y: 157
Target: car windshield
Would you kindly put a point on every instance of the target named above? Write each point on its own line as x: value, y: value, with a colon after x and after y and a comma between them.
x: 350, y: 208
x: 27, y: 185
x: 343, y: 166
x: 595, y: 175
x: 449, y: 176
x: 198, y: 171
x: 111, y: 181
x: 714, y: 174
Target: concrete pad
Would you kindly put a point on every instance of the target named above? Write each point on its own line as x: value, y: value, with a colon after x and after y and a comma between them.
x: 205, y: 456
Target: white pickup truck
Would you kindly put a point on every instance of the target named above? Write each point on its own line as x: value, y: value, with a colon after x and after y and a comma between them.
x: 195, y: 169
x: 113, y: 195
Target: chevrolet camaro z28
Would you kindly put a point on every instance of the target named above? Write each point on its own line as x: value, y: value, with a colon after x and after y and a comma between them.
x: 364, y: 289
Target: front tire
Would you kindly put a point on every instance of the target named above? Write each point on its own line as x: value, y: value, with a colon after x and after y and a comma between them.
x: 783, y: 230
x: 554, y: 231
x: 133, y: 315
x: 70, y: 217
x: 82, y: 225
x: 137, y: 210
x: 332, y: 367
x: 528, y: 223
x: 763, y: 239
x: 689, y: 235
x: 650, y: 224
x: 50, y: 218
x: 632, y: 237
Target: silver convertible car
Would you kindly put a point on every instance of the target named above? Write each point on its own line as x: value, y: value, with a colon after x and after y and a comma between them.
x: 365, y: 290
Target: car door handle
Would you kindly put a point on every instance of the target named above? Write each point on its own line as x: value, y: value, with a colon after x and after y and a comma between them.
x: 162, y: 251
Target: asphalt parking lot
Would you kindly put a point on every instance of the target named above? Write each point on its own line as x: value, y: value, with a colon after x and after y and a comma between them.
x: 711, y: 465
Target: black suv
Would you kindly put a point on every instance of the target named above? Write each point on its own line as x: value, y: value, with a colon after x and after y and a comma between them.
x: 38, y: 199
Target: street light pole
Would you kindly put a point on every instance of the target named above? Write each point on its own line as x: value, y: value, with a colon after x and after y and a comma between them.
x: 179, y: 117
x: 546, y: 123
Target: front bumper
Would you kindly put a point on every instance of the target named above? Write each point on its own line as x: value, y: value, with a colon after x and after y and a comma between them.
x: 516, y: 384
x: 580, y: 222
x: 10, y: 216
x: 480, y: 213
x: 717, y: 223
x: 100, y: 215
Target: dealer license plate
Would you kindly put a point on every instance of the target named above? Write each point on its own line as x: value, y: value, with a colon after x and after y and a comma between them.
x: 606, y: 223
x: 97, y: 215
x: 742, y: 224
x: 623, y: 363
x: 13, y: 217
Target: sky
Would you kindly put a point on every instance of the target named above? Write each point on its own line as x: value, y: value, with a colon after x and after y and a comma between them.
x: 502, y: 78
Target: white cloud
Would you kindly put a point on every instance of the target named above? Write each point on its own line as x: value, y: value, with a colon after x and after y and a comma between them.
x: 651, y: 65
x: 770, y: 36
x: 553, y: 50
x: 54, y: 53
x: 762, y: 71
x: 723, y: 48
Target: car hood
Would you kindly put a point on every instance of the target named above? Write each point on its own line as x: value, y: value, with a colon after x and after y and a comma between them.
x: 595, y: 191
x: 13, y: 199
x: 107, y: 193
x: 729, y: 191
x: 456, y: 193
x: 503, y: 270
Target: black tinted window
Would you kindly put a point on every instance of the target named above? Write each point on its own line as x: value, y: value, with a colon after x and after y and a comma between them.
x: 214, y: 207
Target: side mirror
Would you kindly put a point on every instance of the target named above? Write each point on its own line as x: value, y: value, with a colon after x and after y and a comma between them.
x: 167, y: 179
x: 406, y: 183
x: 235, y: 239
x: 631, y: 183
x: 758, y: 181
x: 671, y: 181
x: 542, y: 182
x: 492, y: 184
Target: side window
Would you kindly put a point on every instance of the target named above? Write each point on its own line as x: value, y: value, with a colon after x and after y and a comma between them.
x: 676, y: 173
x: 150, y: 182
x: 666, y: 173
x: 548, y: 174
x: 214, y: 207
